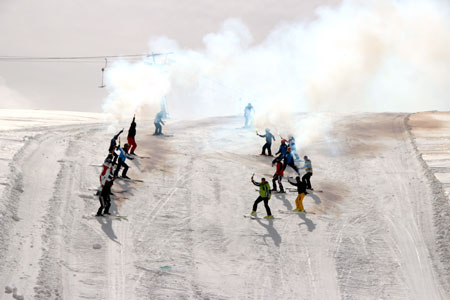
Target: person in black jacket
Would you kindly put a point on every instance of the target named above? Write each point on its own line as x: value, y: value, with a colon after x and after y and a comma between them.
x: 104, y: 198
x: 268, y: 145
x: 131, y: 136
x: 113, y: 146
x: 301, y: 190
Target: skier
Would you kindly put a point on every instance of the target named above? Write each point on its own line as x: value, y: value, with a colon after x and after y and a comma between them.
x: 158, y: 122
x: 106, y: 171
x: 278, y: 176
x: 113, y: 146
x: 301, y: 189
x: 268, y: 145
x: 104, y: 198
x: 282, y: 150
x: 289, y: 161
x: 249, y: 111
x: 264, y: 195
x: 293, y: 147
x: 131, y: 135
x: 122, y: 158
x: 309, y: 172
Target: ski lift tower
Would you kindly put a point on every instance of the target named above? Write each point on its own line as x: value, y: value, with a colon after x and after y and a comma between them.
x: 163, y: 101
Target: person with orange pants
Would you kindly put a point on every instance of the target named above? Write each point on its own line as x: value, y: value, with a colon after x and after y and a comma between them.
x: 301, y: 190
x: 131, y: 135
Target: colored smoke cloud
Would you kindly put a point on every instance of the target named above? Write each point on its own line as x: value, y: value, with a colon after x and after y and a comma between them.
x: 374, y: 55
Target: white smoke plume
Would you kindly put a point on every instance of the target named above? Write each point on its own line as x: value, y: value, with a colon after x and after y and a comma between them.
x: 376, y: 55
x: 11, y: 99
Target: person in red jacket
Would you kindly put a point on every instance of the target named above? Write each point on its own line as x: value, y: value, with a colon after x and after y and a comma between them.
x: 107, y: 169
x: 278, y: 176
x: 131, y: 136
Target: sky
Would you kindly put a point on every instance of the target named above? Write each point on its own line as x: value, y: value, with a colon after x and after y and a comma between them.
x: 112, y: 27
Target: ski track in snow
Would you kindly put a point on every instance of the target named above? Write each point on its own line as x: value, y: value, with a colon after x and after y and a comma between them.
x: 380, y: 228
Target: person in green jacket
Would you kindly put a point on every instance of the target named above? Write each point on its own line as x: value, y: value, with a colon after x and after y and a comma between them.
x: 264, y: 195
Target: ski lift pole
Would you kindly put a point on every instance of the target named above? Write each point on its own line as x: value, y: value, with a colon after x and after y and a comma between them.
x: 103, y: 73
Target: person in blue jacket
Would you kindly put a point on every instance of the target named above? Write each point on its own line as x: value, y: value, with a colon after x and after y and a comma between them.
x: 281, y: 151
x: 158, y: 121
x: 122, y: 158
x: 268, y: 145
x: 249, y: 111
x: 289, y: 161
x: 293, y: 147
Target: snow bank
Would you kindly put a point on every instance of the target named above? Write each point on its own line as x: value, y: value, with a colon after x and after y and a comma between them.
x: 430, y: 134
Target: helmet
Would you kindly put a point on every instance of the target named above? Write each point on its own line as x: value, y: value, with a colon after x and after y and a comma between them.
x: 126, y: 146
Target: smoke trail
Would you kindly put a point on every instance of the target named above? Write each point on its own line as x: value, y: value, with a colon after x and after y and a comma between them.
x: 376, y: 55
x: 11, y: 99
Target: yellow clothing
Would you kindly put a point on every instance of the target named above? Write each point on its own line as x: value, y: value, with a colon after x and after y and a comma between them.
x: 299, y: 201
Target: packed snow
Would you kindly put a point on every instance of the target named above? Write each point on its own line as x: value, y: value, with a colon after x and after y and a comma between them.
x: 379, y: 229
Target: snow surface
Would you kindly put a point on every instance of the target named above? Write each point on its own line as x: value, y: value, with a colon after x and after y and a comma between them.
x: 379, y: 229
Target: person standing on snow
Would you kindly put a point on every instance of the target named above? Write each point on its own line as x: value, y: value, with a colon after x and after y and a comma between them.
x: 104, y: 198
x: 293, y: 147
x: 249, y: 111
x: 281, y: 151
x: 113, y: 146
x: 158, y: 122
x: 122, y: 158
x: 131, y: 135
x: 278, y: 176
x: 301, y: 189
x: 106, y: 171
x: 268, y: 145
x: 289, y: 161
x: 309, y: 172
x: 264, y: 195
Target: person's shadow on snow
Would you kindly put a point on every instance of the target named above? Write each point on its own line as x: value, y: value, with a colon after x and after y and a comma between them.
x: 308, y: 222
x: 316, y: 198
x: 272, y: 232
x: 285, y: 200
x: 106, y: 223
x: 137, y: 163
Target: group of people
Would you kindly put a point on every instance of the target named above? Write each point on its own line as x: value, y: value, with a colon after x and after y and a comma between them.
x: 112, y: 165
x: 114, y: 162
x: 286, y: 156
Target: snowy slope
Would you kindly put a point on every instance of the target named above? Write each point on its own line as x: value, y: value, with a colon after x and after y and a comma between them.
x: 373, y: 234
